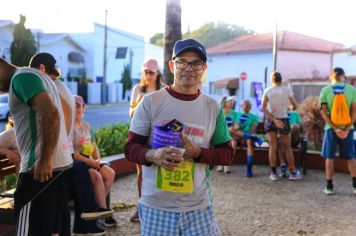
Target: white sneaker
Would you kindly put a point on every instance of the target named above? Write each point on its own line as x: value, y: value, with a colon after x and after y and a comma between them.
x: 354, y: 191
x: 328, y: 191
x: 296, y: 176
x: 219, y: 169
x: 273, y: 177
x: 226, y: 169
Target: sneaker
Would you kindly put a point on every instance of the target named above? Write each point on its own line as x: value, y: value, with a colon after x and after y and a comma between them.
x: 273, y: 177
x: 296, y: 176
x: 226, y: 169
x: 219, y: 169
x: 258, y: 140
x: 96, y: 232
x: 98, y: 214
x: 134, y: 217
x: 248, y: 172
x: 328, y: 191
x: 354, y: 191
x: 283, y: 168
x: 108, y: 222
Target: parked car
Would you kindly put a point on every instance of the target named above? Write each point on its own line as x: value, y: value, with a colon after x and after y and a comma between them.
x: 4, y: 106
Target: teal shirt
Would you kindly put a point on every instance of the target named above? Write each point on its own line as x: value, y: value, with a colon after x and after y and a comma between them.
x: 231, y: 118
x: 327, y: 97
x: 294, y: 118
x: 221, y: 132
x: 246, y: 121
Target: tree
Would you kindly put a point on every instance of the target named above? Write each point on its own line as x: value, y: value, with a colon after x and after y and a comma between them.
x: 126, y: 80
x: 211, y: 34
x: 23, y: 47
x: 157, y: 39
x: 173, y: 33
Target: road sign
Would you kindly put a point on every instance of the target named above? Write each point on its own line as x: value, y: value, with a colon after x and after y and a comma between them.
x: 243, y: 76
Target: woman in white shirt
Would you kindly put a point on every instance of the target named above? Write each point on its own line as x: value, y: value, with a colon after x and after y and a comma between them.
x: 278, y: 98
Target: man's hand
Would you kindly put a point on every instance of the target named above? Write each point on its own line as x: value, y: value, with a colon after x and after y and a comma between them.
x: 166, y: 157
x: 342, y: 134
x: 13, y: 157
x: 43, y: 171
x: 192, y: 151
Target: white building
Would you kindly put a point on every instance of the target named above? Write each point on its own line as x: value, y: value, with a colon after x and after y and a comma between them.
x: 300, y: 58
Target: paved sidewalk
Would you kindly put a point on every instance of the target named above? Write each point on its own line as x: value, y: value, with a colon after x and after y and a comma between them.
x: 258, y: 206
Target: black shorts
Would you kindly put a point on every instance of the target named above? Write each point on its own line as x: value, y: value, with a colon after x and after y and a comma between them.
x: 40, y: 215
x: 271, y: 127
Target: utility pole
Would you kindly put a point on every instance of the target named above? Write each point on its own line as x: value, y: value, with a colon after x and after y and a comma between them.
x: 103, y: 84
x: 275, y: 48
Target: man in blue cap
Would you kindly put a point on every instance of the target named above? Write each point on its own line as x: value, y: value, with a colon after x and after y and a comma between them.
x: 176, y: 192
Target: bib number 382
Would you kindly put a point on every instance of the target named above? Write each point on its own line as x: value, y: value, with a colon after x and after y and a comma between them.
x: 181, y: 180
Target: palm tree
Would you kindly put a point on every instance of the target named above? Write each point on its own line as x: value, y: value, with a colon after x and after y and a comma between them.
x: 173, y: 32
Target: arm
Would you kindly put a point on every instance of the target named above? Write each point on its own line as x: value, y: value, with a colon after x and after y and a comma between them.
x: 293, y: 102
x: 13, y: 157
x: 89, y: 162
x: 96, y: 154
x: 269, y: 115
x: 48, y: 117
x: 137, y: 152
x: 67, y: 110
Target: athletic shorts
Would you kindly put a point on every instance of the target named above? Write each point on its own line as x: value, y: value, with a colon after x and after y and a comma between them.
x: 271, y: 127
x: 40, y: 214
x: 331, y: 142
x: 163, y: 223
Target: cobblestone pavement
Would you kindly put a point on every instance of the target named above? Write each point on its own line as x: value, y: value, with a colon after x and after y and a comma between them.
x: 258, y: 206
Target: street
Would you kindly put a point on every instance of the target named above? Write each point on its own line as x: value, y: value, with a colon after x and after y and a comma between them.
x: 101, y: 115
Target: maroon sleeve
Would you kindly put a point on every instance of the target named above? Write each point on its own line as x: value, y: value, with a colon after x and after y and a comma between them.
x: 221, y: 154
x: 135, y: 148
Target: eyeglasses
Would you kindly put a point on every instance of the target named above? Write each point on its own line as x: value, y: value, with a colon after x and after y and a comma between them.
x: 195, y: 65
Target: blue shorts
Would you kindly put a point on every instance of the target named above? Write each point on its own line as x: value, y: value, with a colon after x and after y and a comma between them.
x: 331, y: 141
x: 163, y: 223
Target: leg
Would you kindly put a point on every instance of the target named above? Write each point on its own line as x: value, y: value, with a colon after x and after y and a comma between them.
x: 98, y: 186
x: 139, y: 179
x: 329, y: 169
x: 84, y: 198
x: 108, y: 175
x: 158, y: 223
x: 272, y: 151
x: 352, y: 167
x: 248, y: 172
x: 286, y: 143
x: 282, y: 158
x: 192, y: 225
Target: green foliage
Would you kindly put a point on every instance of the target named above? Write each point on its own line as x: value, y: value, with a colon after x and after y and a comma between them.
x: 210, y: 34
x: 111, y: 140
x: 157, y: 39
x: 213, y: 33
x: 126, y: 80
x: 23, y: 47
x: 9, y: 182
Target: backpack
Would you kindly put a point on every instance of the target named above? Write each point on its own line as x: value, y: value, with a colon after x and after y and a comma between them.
x: 340, y: 112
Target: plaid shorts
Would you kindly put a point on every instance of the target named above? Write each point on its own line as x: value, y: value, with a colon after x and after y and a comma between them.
x: 198, y: 223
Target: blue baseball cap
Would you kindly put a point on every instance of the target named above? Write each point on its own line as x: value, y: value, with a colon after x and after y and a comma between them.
x: 189, y: 45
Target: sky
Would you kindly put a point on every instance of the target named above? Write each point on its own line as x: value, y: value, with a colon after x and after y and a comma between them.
x: 332, y: 20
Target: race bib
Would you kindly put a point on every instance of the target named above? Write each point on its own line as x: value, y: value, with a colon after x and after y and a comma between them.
x: 181, y: 180
x: 87, y: 149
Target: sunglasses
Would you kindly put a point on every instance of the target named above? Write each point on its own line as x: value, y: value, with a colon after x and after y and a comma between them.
x: 148, y: 72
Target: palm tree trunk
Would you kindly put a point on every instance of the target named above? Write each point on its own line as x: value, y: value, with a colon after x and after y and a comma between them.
x: 173, y: 32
